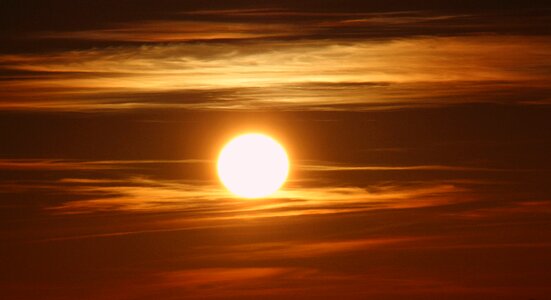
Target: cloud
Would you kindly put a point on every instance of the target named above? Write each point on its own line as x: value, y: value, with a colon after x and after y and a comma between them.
x: 337, y: 168
x: 289, y: 75
x: 207, y: 200
x: 277, y: 282
x: 65, y: 164
x: 208, y: 203
x: 280, y: 23
x: 178, y: 31
x: 303, y: 249
x: 506, y: 210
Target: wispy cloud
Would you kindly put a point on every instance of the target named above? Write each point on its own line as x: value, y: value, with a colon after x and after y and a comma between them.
x: 337, y: 168
x: 277, y: 282
x: 306, y: 74
x: 244, y: 24
x: 211, y: 202
x: 303, y: 249
x: 207, y: 200
x: 506, y: 210
x: 178, y: 31
x: 279, y: 23
x: 233, y: 282
x: 65, y: 164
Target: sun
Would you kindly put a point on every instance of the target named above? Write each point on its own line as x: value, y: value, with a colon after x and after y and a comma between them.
x: 253, y: 165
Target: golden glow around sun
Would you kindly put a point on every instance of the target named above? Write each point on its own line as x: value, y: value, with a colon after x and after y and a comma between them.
x: 253, y: 165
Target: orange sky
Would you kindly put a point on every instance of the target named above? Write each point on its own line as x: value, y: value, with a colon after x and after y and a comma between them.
x: 418, y: 133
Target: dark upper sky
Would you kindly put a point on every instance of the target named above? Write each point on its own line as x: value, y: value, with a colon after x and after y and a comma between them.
x: 418, y: 133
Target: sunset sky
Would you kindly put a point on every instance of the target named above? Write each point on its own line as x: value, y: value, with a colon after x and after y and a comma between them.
x: 419, y: 134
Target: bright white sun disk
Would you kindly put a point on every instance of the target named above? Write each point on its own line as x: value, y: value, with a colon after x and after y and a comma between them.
x: 253, y: 165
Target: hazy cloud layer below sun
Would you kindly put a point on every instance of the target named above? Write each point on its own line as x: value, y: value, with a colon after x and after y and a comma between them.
x: 209, y: 201
x: 274, y: 242
x: 206, y: 202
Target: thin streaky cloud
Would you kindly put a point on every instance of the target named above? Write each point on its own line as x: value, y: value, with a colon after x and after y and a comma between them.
x: 247, y: 24
x: 211, y: 202
x: 306, y: 249
x: 337, y: 168
x: 297, y: 75
x: 506, y: 210
x: 65, y: 164
x: 282, y: 282
x: 178, y: 31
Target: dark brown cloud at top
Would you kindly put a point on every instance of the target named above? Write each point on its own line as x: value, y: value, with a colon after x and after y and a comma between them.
x: 418, y: 133
x: 88, y: 24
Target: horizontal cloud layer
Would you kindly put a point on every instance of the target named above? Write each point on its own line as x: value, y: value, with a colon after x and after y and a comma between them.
x: 291, y: 67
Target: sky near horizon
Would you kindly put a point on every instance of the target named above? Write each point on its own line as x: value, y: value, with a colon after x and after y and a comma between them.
x: 418, y: 133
